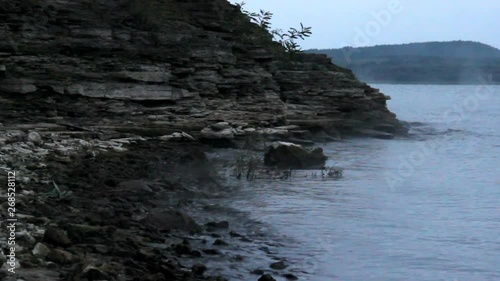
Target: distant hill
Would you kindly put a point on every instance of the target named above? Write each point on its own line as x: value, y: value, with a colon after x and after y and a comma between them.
x: 455, y: 62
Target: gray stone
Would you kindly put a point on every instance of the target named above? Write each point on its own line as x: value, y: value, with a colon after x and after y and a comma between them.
x: 220, y: 126
x: 34, y: 137
x: 211, y: 134
x: 91, y: 272
x: 290, y: 276
x: 275, y: 132
x: 280, y: 265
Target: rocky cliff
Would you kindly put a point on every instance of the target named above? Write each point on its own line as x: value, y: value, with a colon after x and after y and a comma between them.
x: 161, y: 66
x: 92, y: 93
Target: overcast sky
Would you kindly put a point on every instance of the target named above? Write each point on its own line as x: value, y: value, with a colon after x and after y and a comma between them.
x: 339, y: 23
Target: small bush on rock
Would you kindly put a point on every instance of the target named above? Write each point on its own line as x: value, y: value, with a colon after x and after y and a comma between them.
x: 286, y: 39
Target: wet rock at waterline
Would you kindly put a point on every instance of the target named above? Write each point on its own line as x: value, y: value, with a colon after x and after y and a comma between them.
x: 289, y: 155
x: 198, y: 269
x: 266, y: 277
x: 221, y: 224
x: 220, y: 242
x: 290, y: 276
x: 280, y: 265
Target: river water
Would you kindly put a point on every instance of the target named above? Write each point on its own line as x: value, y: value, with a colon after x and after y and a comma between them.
x: 421, y: 208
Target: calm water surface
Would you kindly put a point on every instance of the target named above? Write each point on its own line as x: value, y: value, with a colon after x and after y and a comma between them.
x: 423, y: 208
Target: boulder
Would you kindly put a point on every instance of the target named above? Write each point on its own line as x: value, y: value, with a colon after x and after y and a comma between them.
x: 280, y: 265
x: 289, y: 155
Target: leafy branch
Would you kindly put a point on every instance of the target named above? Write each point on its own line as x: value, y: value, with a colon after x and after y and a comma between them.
x: 286, y: 39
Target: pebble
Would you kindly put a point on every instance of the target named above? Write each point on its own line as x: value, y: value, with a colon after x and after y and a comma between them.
x: 34, y: 137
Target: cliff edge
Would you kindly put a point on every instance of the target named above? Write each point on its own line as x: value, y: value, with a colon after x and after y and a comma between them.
x: 165, y: 66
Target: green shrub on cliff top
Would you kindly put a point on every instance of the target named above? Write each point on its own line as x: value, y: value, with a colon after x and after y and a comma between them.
x: 286, y: 39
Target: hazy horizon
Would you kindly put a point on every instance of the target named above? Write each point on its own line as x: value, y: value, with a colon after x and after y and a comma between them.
x: 406, y: 43
x: 359, y: 23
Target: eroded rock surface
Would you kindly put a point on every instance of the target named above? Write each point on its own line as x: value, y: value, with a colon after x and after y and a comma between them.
x: 167, y: 65
x: 100, y: 103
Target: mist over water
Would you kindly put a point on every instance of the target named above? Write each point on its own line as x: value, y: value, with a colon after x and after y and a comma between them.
x: 419, y: 208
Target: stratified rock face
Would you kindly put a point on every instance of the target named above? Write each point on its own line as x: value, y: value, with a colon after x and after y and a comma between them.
x: 320, y: 95
x: 192, y: 62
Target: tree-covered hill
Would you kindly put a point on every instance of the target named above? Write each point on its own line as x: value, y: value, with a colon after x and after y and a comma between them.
x: 455, y: 62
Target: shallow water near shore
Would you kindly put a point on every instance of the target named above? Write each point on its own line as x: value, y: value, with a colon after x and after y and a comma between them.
x: 418, y: 208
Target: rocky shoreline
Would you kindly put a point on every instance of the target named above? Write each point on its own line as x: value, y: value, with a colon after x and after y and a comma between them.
x: 115, y: 214
x: 107, y: 109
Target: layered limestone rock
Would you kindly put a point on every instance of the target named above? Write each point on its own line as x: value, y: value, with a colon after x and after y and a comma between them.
x: 169, y: 65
